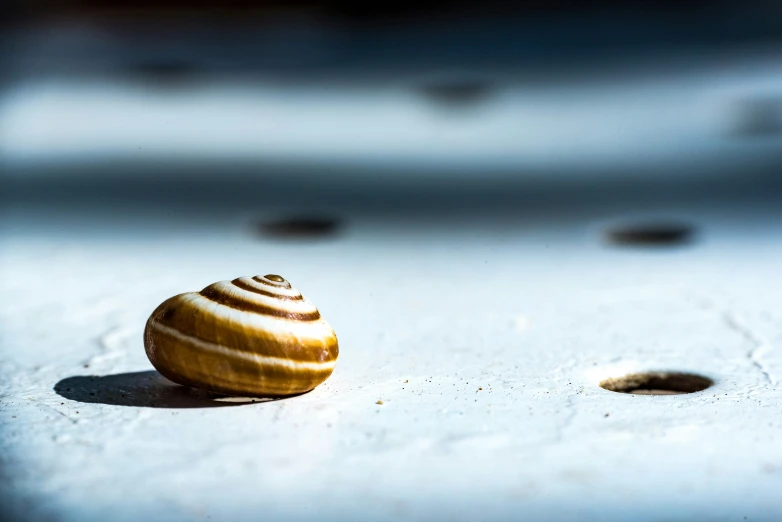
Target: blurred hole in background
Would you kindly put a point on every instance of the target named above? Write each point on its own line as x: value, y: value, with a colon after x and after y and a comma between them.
x: 301, y: 227
x: 457, y: 92
x: 650, y: 234
x: 657, y: 383
x: 757, y: 117
x: 163, y: 73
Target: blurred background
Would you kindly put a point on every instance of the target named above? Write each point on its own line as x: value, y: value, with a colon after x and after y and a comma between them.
x: 130, y: 109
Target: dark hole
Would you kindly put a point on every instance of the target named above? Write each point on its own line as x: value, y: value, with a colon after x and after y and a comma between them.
x: 164, y: 72
x: 456, y: 93
x: 651, y: 234
x: 301, y: 227
x: 657, y: 383
x: 758, y: 117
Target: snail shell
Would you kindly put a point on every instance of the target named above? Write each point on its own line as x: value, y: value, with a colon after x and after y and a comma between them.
x: 250, y: 336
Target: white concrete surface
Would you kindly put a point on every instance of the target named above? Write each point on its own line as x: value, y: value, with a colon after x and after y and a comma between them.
x: 484, y: 341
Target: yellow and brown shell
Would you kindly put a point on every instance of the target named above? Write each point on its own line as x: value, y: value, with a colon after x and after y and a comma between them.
x: 254, y: 336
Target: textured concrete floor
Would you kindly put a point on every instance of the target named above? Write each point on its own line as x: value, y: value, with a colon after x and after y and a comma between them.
x: 484, y: 339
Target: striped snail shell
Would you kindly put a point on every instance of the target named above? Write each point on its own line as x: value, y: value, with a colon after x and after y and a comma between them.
x: 254, y: 336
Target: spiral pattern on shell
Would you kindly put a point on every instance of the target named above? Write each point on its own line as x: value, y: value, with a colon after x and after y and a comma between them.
x: 253, y: 336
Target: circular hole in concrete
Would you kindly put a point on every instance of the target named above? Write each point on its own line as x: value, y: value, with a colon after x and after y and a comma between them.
x: 657, y: 383
x: 301, y: 227
x: 650, y: 234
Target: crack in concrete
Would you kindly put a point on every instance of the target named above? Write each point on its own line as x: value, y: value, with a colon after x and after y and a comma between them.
x: 760, y: 344
x: 55, y: 410
x: 111, y: 344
